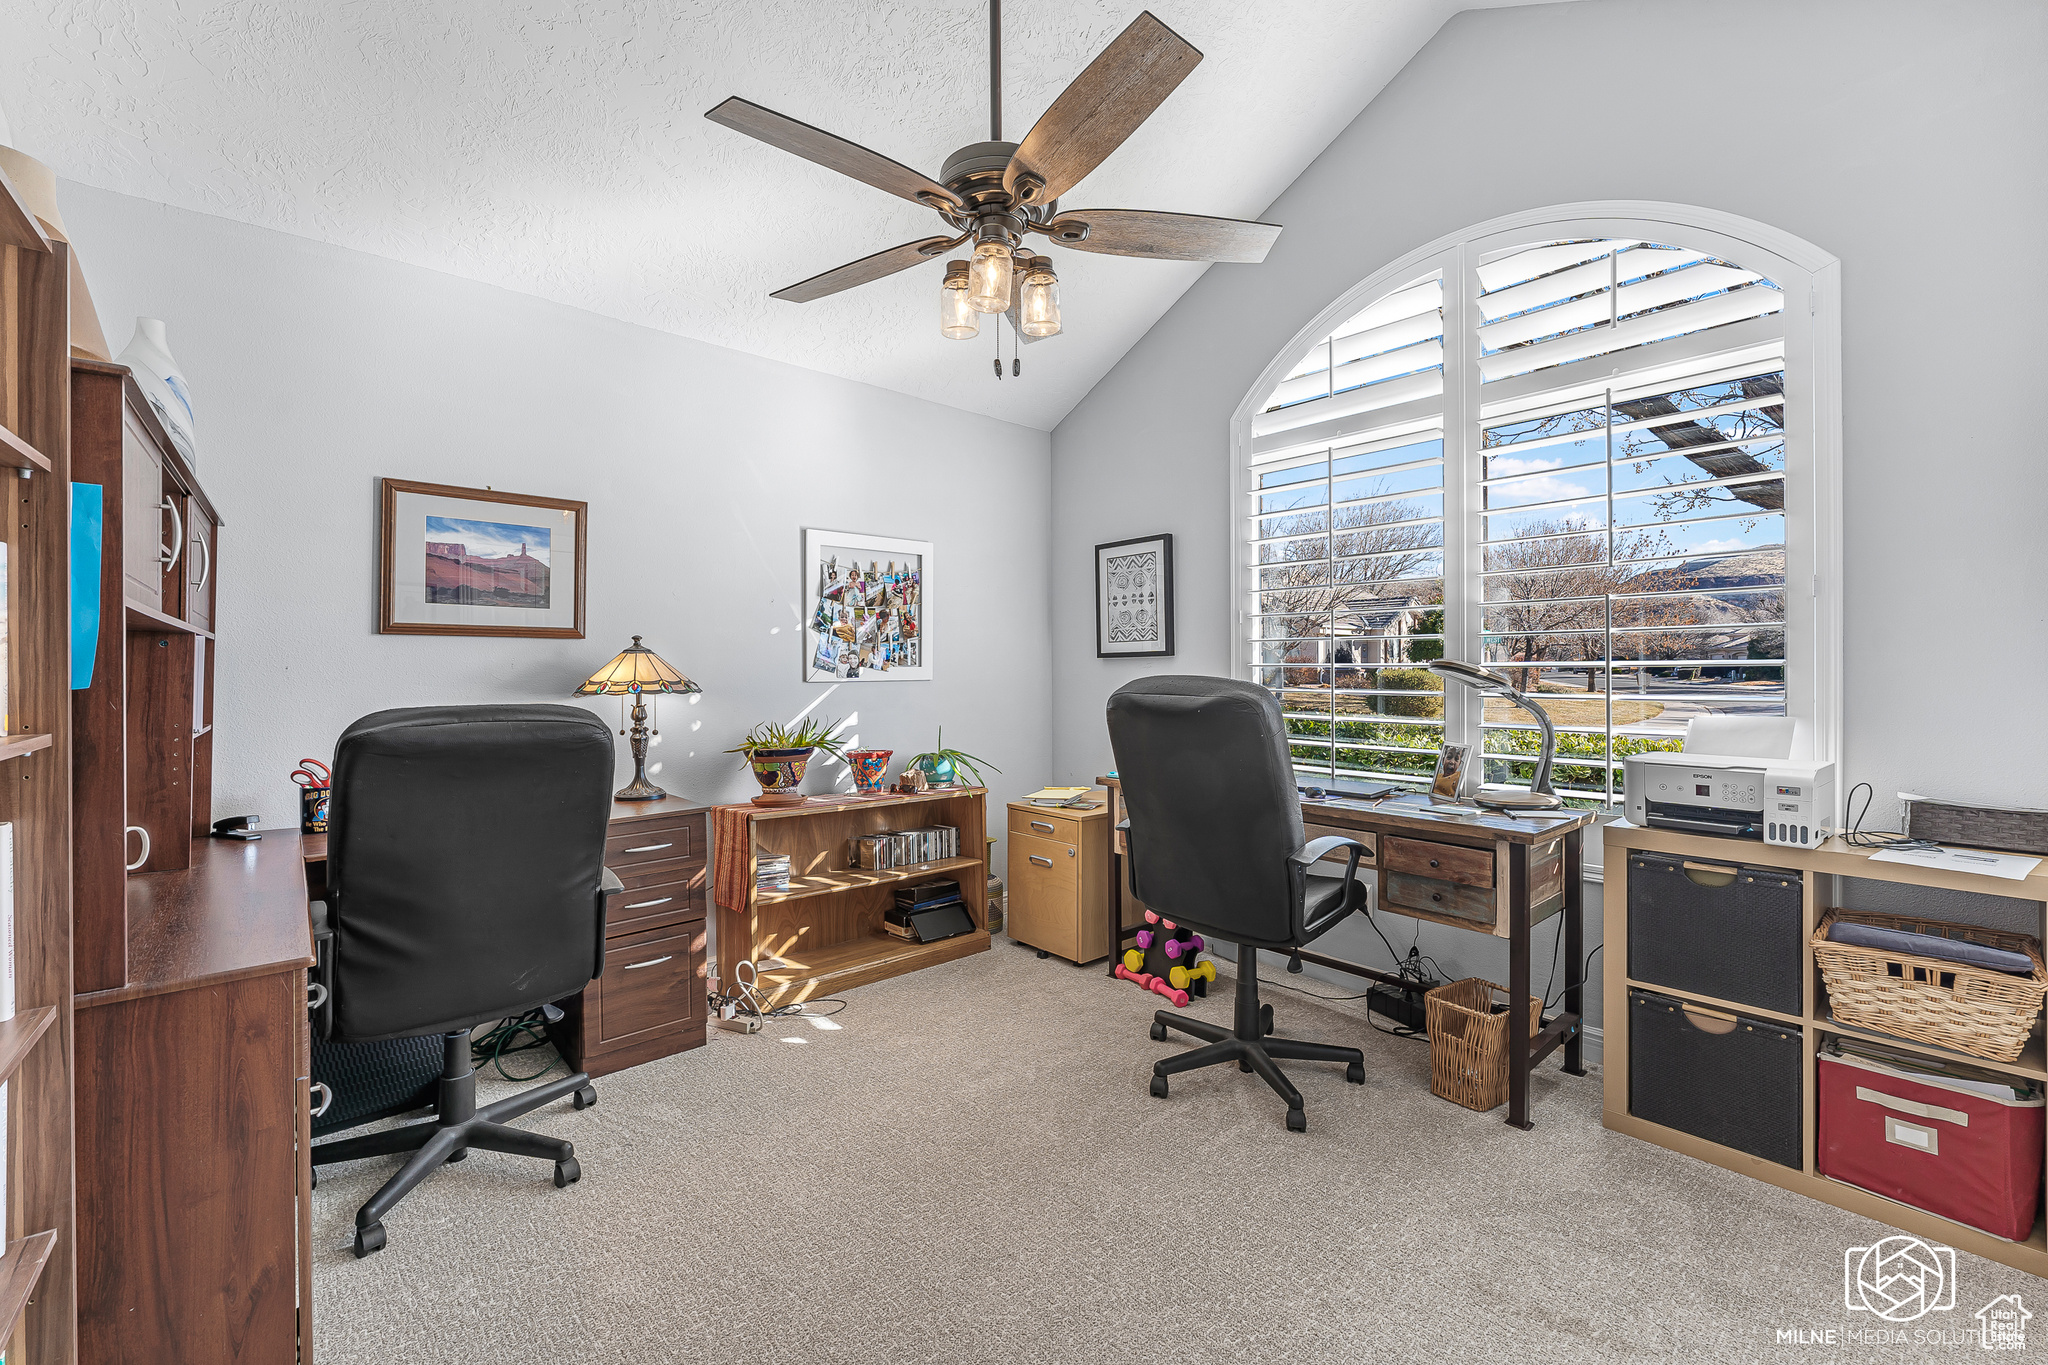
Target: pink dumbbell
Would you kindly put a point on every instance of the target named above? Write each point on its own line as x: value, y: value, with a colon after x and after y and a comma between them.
x: 1151, y: 917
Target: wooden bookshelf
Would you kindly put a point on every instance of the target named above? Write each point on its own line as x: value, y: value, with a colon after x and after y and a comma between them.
x: 35, y: 474
x: 825, y: 933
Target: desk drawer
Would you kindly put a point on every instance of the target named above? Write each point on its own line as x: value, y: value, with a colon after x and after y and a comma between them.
x: 643, y: 908
x: 1060, y: 826
x: 647, y: 985
x: 1035, y: 861
x: 1474, y: 903
x: 656, y: 841
x: 1439, y: 862
x: 689, y: 871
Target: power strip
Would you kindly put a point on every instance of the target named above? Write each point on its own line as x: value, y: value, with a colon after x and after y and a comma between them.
x: 741, y: 1023
x: 1404, y: 1008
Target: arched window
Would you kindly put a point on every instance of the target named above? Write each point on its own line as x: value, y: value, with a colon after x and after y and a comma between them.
x: 1593, y: 447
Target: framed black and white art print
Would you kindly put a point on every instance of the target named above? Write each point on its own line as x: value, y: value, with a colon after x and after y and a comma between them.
x: 1134, y: 598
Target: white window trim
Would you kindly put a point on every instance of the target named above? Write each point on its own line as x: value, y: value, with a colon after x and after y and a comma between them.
x: 1811, y: 281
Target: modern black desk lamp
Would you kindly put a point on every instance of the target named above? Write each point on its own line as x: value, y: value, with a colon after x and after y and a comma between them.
x: 1539, y: 796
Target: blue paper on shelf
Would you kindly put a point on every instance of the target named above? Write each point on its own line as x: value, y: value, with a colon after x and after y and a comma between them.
x: 87, y: 519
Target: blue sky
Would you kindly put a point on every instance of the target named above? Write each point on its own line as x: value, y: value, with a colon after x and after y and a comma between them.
x: 490, y: 539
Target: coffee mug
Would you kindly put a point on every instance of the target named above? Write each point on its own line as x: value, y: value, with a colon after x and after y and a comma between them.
x: 144, y: 856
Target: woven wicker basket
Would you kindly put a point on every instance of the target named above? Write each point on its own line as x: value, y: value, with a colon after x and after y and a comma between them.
x: 1468, y: 1042
x: 1947, y: 1004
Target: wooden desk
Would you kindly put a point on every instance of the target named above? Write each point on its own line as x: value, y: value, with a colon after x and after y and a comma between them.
x: 195, y: 1118
x: 1482, y: 871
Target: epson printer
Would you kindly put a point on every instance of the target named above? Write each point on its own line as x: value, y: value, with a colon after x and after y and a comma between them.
x: 1736, y: 776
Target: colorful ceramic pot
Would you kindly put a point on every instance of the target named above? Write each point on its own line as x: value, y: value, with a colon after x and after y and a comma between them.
x: 779, y: 771
x: 869, y: 766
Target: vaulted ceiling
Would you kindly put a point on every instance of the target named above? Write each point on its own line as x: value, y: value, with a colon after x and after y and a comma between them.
x: 559, y: 148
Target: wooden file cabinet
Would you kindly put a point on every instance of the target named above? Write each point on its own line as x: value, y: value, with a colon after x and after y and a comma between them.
x: 1059, y: 879
x: 649, y: 1001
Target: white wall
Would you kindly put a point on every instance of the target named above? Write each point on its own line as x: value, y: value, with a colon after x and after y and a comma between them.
x: 1905, y: 138
x: 317, y: 370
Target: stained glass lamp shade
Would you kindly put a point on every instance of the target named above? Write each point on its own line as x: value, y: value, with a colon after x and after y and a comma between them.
x: 634, y: 672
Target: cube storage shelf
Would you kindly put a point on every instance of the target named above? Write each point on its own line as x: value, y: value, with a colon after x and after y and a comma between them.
x: 1815, y: 867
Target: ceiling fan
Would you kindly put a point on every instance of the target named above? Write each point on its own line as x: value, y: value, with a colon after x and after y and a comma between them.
x: 994, y: 193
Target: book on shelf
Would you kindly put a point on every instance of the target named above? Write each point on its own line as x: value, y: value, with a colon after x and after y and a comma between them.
x: 771, y: 870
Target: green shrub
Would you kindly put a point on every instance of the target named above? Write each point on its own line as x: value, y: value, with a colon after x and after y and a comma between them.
x: 1429, y: 701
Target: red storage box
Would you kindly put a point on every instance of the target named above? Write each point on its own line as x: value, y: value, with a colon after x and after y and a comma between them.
x: 1932, y: 1135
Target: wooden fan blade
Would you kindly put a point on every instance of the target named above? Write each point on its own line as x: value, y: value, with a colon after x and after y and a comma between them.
x: 864, y: 270
x: 1105, y: 104
x: 1166, y: 236
x: 831, y: 152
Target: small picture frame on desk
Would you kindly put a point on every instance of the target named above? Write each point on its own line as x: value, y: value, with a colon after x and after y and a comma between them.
x: 474, y: 561
x: 1134, y: 598
x: 1454, y: 774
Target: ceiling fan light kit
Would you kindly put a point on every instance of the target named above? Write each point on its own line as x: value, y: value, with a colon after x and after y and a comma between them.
x: 957, y: 319
x: 995, y: 193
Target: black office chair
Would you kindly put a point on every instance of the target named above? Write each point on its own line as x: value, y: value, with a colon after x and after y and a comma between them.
x: 465, y: 883
x: 1214, y: 840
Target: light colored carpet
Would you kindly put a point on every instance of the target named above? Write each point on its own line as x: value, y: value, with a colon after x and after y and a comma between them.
x: 968, y: 1168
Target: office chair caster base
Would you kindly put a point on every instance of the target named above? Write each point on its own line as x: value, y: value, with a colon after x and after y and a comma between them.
x: 1043, y: 953
x: 316, y: 1177
x: 1355, y: 1073
x: 1159, y: 1087
x: 459, y: 1154
x: 1297, y: 1121
x: 1158, y: 1032
x: 584, y: 1098
x: 369, y: 1239
x: 567, y: 1173
x: 1243, y: 1065
x: 1265, y: 1021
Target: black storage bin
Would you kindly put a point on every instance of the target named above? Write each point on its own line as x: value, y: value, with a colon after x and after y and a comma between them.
x: 1730, y: 931
x: 1732, y: 1080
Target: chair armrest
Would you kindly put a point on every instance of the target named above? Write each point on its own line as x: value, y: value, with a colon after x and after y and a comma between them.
x: 1315, y: 850
x: 608, y: 886
x: 1307, y: 856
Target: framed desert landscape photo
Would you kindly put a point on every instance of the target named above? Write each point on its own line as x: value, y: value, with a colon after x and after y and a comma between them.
x: 474, y: 561
x: 868, y: 608
x: 1134, y: 598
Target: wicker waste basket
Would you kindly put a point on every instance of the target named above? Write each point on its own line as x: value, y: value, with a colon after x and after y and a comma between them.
x: 1931, y: 1000
x: 1468, y: 1042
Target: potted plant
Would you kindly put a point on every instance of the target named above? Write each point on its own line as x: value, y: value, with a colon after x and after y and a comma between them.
x: 943, y: 766
x: 777, y: 755
x: 869, y: 766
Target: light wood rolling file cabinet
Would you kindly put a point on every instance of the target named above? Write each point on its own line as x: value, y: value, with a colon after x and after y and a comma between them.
x: 1059, y: 879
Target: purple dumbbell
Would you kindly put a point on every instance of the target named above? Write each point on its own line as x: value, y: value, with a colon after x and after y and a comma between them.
x: 1145, y: 938
x: 1197, y: 941
x: 1175, y: 947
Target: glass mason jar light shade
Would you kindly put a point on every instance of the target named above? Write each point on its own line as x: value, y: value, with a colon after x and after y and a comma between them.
x: 957, y: 319
x: 1038, y: 300
x: 988, y: 289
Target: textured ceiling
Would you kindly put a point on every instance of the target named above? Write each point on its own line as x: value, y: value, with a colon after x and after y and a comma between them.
x: 560, y: 149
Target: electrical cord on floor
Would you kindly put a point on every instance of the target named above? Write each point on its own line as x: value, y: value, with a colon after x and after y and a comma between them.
x: 1877, y: 838
x: 1411, y: 966
x: 498, y: 1043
